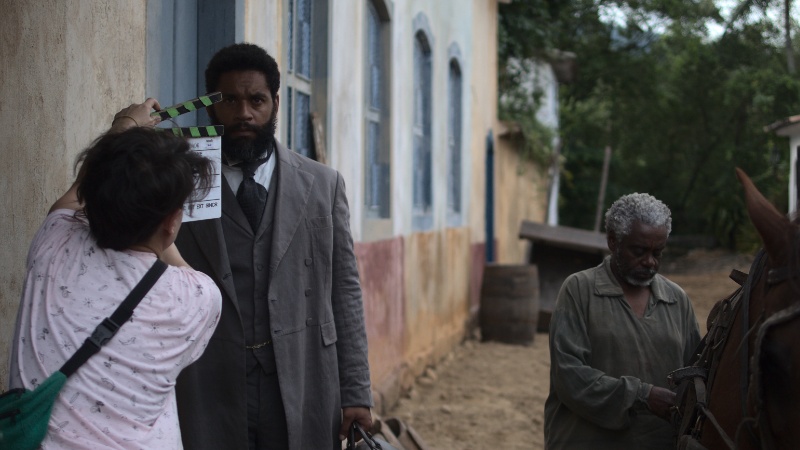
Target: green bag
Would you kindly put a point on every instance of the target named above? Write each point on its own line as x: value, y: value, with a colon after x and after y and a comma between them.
x: 24, y: 414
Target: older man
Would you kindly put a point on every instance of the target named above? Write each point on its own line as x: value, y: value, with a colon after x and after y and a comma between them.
x: 617, y: 330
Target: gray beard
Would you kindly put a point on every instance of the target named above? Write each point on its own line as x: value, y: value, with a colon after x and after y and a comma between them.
x: 641, y: 283
x: 631, y: 280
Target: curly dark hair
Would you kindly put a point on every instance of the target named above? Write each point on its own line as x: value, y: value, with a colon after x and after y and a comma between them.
x: 131, y: 181
x: 243, y: 56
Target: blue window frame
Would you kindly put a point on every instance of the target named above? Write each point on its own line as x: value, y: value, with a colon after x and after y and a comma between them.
x: 454, y: 133
x: 422, y: 159
x: 377, y: 197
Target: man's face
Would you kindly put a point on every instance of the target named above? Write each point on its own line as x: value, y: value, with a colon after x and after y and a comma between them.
x: 635, y: 258
x: 248, y: 112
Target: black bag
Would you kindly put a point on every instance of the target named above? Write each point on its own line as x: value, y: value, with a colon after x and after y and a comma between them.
x: 24, y: 414
x: 367, y: 441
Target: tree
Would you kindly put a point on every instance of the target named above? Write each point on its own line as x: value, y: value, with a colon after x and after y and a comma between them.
x: 741, y: 11
x: 680, y: 108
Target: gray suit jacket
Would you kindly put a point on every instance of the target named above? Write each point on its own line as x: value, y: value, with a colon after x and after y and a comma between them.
x: 316, y: 316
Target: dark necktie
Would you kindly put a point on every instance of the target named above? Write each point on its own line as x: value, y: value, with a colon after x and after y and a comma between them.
x: 252, y: 196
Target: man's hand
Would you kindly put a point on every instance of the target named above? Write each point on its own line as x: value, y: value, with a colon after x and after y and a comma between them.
x: 660, y: 401
x: 354, y: 413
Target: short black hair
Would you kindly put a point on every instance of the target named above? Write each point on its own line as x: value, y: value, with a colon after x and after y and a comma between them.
x: 243, y: 56
x: 131, y: 181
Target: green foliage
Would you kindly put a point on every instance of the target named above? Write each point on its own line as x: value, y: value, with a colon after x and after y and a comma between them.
x: 679, y: 109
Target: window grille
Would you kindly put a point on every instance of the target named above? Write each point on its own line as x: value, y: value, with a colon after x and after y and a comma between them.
x: 298, y: 82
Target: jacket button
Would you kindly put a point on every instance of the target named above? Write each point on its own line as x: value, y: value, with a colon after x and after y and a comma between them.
x: 309, y: 322
x: 308, y: 292
x: 259, y: 267
x: 308, y: 261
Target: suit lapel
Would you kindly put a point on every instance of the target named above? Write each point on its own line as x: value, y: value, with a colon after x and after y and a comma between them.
x: 293, y: 189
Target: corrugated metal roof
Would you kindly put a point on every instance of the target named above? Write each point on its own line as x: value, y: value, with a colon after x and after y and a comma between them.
x: 567, y: 237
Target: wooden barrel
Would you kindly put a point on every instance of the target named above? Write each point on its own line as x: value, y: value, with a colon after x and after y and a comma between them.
x: 509, y: 306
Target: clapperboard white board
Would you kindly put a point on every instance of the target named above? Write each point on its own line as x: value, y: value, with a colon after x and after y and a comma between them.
x: 207, y: 141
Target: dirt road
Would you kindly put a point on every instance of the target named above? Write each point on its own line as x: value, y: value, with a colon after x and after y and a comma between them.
x: 487, y: 395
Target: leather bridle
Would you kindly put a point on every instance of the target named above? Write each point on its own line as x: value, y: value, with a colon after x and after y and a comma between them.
x: 702, y: 372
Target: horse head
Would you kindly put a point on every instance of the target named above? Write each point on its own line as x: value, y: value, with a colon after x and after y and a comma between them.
x: 774, y: 337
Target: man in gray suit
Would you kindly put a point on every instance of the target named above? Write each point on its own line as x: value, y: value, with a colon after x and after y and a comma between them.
x: 287, y: 365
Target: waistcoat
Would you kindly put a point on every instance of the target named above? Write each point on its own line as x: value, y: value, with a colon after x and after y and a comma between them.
x: 249, y: 254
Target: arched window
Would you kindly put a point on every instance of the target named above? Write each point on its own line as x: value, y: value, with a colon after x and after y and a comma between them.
x: 422, y: 159
x: 377, y: 166
x: 454, y: 130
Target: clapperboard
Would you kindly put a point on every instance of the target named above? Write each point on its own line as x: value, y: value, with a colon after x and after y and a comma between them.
x: 208, y: 142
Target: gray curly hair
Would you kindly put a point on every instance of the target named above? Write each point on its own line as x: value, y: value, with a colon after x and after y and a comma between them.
x: 632, y: 207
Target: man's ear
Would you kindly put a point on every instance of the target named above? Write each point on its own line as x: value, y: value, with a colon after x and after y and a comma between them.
x: 276, y: 101
x: 611, y: 241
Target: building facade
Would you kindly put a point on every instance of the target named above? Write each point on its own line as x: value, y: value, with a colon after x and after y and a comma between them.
x: 399, y: 96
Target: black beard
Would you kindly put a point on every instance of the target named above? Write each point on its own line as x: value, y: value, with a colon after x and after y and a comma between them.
x: 245, y: 149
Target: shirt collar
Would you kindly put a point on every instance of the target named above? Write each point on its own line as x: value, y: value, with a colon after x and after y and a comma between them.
x: 606, y: 284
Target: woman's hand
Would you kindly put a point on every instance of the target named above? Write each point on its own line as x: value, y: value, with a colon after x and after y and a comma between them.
x: 136, y: 115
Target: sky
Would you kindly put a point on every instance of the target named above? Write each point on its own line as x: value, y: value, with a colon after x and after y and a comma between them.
x: 614, y: 14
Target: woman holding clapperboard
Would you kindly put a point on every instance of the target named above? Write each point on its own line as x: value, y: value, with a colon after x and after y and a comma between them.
x: 97, y: 242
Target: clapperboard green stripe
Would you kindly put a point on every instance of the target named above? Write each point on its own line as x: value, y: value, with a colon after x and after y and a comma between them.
x: 195, y: 132
x: 188, y: 106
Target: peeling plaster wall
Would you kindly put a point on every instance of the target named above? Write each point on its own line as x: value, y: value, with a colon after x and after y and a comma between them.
x: 381, y: 269
x: 520, y: 194
x: 67, y: 68
x: 483, y: 95
x: 437, y: 303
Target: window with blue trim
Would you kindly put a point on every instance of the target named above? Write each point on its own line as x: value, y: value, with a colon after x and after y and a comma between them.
x: 454, y: 130
x: 422, y: 195
x: 377, y: 166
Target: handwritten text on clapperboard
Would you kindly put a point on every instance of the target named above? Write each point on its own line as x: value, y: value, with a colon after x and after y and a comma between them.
x: 209, y: 207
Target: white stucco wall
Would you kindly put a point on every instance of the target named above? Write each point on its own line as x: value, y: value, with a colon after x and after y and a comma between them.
x: 346, y: 102
x: 67, y: 68
x: 450, y: 22
x: 792, y: 131
x: 263, y: 25
x: 794, y: 143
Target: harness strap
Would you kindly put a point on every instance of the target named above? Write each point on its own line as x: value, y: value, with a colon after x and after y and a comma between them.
x: 738, y: 276
x: 676, y: 377
x: 744, y: 375
x: 710, y: 416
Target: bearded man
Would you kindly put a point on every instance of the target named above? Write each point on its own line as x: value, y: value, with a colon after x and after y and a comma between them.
x: 617, y: 331
x: 287, y: 366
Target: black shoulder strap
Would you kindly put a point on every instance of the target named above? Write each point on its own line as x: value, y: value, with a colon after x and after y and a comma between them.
x: 108, y: 328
